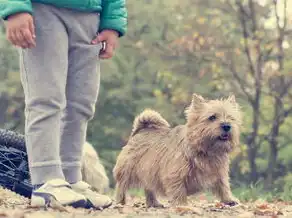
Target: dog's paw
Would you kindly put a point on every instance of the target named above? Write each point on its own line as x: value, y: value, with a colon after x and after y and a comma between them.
x: 231, y: 202
x: 175, y: 203
x: 156, y: 205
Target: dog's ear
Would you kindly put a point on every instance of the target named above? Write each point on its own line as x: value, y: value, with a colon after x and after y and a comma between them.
x: 196, y: 104
x: 197, y: 101
x: 232, y: 99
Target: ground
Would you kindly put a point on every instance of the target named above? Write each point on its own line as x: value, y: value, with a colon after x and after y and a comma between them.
x: 15, y: 206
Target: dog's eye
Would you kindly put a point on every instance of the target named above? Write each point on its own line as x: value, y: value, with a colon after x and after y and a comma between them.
x: 231, y: 118
x: 212, y: 118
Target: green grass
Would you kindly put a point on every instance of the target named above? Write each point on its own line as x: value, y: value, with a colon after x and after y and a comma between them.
x: 245, y: 193
x: 132, y: 192
x: 136, y: 192
x: 257, y: 191
x: 252, y: 193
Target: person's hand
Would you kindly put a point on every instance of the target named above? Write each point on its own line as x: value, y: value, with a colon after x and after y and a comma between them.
x: 110, y: 38
x: 20, y: 30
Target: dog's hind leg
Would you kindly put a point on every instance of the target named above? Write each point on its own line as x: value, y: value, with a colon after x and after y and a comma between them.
x: 120, y: 194
x: 151, y: 200
x: 176, y: 190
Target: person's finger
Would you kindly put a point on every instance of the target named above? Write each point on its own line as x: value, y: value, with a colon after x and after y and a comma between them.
x: 32, y: 28
x: 11, y: 36
x: 102, y: 37
x: 108, y: 52
x: 21, y: 38
x: 28, y: 37
x: 95, y: 40
x: 99, y: 38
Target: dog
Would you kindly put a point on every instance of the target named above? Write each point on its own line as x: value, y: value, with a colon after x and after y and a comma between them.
x: 184, y: 160
x: 93, y: 172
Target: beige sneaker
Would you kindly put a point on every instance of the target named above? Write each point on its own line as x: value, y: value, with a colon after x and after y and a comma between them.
x: 58, y: 190
x: 94, y: 199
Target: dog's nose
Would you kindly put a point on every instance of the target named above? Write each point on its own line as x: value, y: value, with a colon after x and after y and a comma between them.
x: 226, y: 127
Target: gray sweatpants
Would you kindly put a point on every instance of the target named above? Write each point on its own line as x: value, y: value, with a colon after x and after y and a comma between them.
x: 60, y: 78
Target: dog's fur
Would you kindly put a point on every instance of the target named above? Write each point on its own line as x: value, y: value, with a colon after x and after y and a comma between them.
x: 93, y: 171
x: 180, y: 161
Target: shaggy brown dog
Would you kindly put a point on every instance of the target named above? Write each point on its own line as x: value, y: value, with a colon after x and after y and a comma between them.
x: 180, y: 161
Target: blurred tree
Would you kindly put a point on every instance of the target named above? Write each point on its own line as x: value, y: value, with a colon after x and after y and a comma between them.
x: 236, y: 42
x: 11, y: 97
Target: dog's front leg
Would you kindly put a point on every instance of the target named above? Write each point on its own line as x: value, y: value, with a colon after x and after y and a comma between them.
x: 151, y: 200
x: 177, y: 192
x: 174, y: 182
x: 222, y: 190
x: 178, y: 197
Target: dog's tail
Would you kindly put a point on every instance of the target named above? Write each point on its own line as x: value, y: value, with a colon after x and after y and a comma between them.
x: 93, y: 171
x: 148, y: 119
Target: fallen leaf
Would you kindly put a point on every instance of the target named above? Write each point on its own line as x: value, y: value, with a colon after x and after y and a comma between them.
x: 262, y: 206
x: 126, y: 210
x: 202, y: 197
x: 267, y: 210
x: 117, y: 206
x: 260, y: 202
x: 139, y: 204
x: 186, y: 209
x: 264, y: 212
x: 3, y: 214
x: 219, y: 205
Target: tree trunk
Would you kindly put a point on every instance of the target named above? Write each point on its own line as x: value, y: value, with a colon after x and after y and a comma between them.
x: 3, y: 108
x: 251, y: 142
x: 272, y: 138
x: 272, y: 163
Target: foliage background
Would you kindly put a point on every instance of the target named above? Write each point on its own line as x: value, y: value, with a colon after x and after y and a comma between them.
x: 174, y: 48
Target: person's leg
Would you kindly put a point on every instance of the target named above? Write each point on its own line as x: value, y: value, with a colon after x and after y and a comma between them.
x: 43, y: 75
x: 81, y: 94
x: 81, y: 91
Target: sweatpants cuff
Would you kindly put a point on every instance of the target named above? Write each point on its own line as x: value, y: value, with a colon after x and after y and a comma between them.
x: 42, y: 174
x: 72, y: 173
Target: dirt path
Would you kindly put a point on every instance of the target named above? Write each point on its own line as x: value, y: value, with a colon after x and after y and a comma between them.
x: 14, y: 206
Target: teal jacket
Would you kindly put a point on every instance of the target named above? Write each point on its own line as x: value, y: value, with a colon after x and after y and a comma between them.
x: 113, y: 13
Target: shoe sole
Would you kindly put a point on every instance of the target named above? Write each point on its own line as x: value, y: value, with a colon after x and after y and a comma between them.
x: 44, y: 199
x: 89, y: 205
x: 78, y: 204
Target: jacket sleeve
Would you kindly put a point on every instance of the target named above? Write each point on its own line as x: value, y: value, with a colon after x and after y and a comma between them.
x: 114, y: 16
x: 9, y: 7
